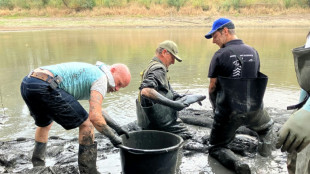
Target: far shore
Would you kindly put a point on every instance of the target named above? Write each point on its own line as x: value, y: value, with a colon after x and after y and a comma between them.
x: 58, y: 23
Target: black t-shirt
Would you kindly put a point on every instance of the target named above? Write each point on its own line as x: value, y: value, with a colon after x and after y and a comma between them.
x: 225, y: 62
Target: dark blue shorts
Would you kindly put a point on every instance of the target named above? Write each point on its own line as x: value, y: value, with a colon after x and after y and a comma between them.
x: 47, y: 105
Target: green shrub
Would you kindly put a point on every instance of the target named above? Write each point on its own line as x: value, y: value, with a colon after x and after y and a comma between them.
x: 287, y: 3
x: 87, y: 4
x: 227, y: 4
x: 114, y: 3
x: 29, y: 4
x: 6, y: 4
x: 45, y: 2
x: 146, y: 3
x: 79, y: 5
x: 176, y: 3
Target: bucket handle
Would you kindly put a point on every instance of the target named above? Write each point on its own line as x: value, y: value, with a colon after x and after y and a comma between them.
x: 132, y: 150
x: 142, y: 152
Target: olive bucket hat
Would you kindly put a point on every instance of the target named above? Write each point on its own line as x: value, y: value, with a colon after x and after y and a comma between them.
x: 171, y: 47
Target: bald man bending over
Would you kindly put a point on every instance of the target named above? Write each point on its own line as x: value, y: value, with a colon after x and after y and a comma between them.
x: 52, y: 93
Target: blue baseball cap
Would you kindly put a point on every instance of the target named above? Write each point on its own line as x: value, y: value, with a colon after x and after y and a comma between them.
x: 220, y: 24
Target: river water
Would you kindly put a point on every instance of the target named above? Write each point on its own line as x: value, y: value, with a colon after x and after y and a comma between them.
x: 20, y: 52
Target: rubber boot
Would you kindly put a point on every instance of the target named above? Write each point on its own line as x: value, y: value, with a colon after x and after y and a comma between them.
x: 87, y: 159
x: 228, y: 159
x: 38, y: 156
x: 179, y: 128
x: 291, y: 162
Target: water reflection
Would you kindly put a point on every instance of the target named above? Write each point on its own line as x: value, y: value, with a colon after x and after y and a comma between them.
x: 21, y: 52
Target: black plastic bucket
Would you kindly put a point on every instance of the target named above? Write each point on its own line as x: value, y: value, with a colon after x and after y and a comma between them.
x: 150, y: 152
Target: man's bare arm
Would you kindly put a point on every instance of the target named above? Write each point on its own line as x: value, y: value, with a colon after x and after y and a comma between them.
x: 95, y: 116
x: 212, y: 91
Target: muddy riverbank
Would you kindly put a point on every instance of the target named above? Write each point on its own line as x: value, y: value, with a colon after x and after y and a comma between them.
x: 15, y: 155
x: 45, y: 47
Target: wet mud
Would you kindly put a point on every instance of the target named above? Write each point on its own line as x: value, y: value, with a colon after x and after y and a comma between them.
x: 62, y: 154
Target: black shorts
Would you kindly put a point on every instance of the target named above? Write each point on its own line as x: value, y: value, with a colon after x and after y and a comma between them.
x: 47, y: 105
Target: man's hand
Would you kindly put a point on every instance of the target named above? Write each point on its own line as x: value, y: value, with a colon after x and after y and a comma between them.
x: 98, y: 121
x: 116, y: 141
x: 187, y: 100
x: 155, y: 96
x: 119, y: 130
x: 213, y: 92
x: 107, y: 131
x: 179, y: 104
x: 295, y: 133
x: 177, y: 96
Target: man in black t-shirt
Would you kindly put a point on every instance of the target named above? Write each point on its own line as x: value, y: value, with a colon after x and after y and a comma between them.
x: 236, y: 91
x: 225, y: 61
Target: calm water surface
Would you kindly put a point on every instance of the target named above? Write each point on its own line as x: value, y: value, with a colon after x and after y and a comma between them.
x: 20, y: 52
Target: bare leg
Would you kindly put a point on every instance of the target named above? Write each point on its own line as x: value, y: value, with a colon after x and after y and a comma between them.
x: 42, y: 133
x: 87, y: 149
x: 86, y: 133
x: 41, y: 137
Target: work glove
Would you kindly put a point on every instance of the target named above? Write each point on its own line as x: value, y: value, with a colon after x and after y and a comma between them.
x: 177, y: 96
x: 192, y: 98
x: 187, y: 100
x: 295, y: 133
x: 178, y: 105
x: 118, y: 129
x: 114, y: 139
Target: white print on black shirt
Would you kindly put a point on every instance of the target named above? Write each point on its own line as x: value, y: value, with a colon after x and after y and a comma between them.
x: 237, y: 69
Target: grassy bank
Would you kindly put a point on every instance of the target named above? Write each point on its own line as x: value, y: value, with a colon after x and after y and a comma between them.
x: 20, y: 15
x: 143, y: 8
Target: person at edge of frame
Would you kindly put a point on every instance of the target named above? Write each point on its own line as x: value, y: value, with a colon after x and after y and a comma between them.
x: 236, y: 92
x: 52, y: 93
x: 294, y: 136
x: 158, y: 104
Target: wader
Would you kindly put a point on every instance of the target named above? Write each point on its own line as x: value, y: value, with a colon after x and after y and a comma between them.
x: 302, y: 67
x: 157, y: 116
x: 300, y: 163
x: 239, y: 102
